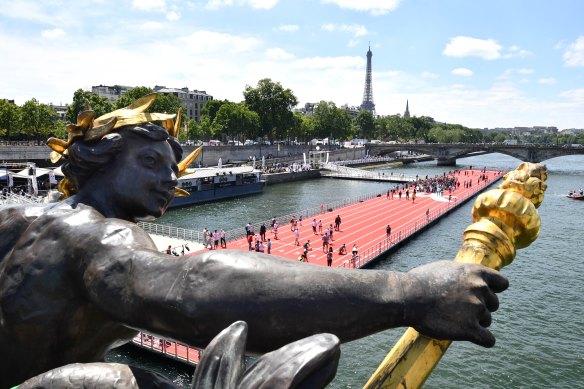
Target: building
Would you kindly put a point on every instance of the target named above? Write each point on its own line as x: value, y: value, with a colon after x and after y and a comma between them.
x: 407, y: 112
x: 192, y: 101
x: 61, y: 110
x: 112, y: 93
x: 351, y: 110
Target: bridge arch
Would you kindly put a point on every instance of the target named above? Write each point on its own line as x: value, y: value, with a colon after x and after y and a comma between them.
x: 446, y: 154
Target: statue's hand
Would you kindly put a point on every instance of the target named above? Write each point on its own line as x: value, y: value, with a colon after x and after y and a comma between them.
x: 447, y: 300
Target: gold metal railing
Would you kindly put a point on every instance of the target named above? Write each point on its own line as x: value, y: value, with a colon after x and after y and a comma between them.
x: 505, y: 219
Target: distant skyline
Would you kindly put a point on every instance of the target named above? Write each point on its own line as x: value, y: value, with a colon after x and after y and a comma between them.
x: 483, y: 63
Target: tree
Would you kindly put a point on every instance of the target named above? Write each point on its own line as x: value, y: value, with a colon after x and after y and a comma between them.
x: 366, y: 124
x: 331, y: 121
x: 200, y: 131
x: 396, y: 128
x: 236, y: 121
x: 163, y: 104
x: 420, y: 127
x: 273, y: 104
x: 210, y: 109
x: 82, y: 100
x: 9, y: 119
x: 37, y: 119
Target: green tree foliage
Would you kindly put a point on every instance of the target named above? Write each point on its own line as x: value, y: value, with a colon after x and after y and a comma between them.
x: 273, y: 104
x: 331, y: 121
x: 200, y: 131
x: 365, y: 124
x: 37, y: 119
x: 395, y: 128
x: 236, y: 121
x: 163, y: 104
x: 10, y: 115
x: 82, y: 100
x: 210, y: 109
x: 454, y: 133
x: 419, y: 127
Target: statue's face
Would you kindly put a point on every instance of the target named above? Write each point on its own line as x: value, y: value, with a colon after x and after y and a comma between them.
x: 143, y: 179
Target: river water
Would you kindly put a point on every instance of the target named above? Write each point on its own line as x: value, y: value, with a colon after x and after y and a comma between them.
x: 540, y: 322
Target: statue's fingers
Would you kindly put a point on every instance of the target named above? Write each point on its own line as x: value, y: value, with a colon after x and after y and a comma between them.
x: 485, y: 319
x: 491, y: 300
x: 495, y: 280
x: 482, y: 337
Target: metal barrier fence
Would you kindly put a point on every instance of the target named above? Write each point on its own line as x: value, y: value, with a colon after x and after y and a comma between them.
x: 407, y: 230
x: 13, y: 198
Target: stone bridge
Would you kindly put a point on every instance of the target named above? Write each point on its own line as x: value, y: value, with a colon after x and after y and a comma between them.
x: 447, y: 153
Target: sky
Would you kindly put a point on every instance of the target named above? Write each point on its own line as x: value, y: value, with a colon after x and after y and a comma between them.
x: 479, y: 63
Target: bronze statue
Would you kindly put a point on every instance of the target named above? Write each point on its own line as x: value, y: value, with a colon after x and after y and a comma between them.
x: 79, y: 277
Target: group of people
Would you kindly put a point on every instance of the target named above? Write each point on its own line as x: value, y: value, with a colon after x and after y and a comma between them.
x: 255, y: 241
x: 212, y: 240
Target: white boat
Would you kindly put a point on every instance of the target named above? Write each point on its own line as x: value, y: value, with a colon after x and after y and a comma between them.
x: 218, y: 183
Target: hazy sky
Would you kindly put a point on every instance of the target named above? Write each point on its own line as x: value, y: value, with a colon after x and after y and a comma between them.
x: 480, y: 63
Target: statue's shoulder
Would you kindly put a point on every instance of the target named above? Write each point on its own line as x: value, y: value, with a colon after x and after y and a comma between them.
x: 88, y: 225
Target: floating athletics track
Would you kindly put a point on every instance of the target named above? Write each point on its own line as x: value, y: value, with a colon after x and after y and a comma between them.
x: 363, y: 222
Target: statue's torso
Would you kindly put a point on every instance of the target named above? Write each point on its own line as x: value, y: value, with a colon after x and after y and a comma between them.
x: 46, y: 317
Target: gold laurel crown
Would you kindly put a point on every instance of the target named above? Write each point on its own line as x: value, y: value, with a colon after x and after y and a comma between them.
x: 90, y: 129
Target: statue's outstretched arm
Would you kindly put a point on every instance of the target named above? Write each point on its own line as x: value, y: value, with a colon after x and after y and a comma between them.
x: 193, y: 298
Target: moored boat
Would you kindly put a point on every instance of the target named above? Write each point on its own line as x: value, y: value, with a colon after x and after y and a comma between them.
x: 575, y: 195
x: 215, y: 183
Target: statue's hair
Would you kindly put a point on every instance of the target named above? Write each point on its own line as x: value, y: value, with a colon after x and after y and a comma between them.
x: 85, y: 158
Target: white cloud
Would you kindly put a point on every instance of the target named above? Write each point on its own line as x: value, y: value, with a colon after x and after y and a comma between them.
x: 375, y: 7
x: 278, y: 53
x: 577, y: 95
x: 24, y: 10
x: 516, y: 51
x: 255, y: 4
x: 508, y: 73
x: 429, y: 75
x: 462, y: 46
x: 330, y: 63
x: 356, y: 29
x: 574, y: 54
x: 149, y: 5
x: 464, y: 72
x: 172, y: 16
x: 151, y: 26
x: 287, y: 27
x: 525, y: 71
x: 55, y: 33
x: 353, y: 42
x: 547, y: 81
x: 210, y: 41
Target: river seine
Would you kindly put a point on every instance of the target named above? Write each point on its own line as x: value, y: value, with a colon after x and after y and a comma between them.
x: 540, y: 322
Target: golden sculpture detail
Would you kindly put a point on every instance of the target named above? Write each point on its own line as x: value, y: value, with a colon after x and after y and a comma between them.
x: 91, y: 129
x: 505, y: 219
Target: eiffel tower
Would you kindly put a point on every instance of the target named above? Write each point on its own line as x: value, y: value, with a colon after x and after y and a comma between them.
x: 368, y: 103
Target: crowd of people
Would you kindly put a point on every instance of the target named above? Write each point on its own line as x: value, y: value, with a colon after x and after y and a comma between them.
x: 259, y: 242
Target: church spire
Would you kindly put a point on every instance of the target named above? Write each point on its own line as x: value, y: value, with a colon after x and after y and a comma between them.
x: 407, y: 113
